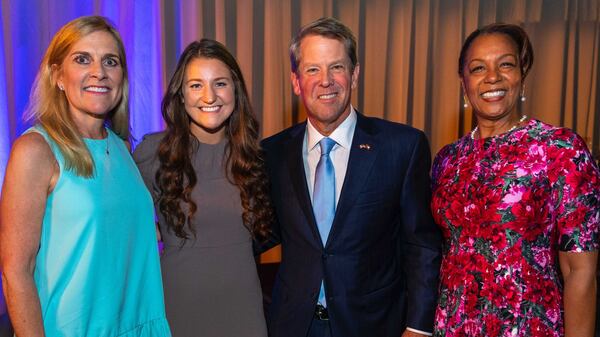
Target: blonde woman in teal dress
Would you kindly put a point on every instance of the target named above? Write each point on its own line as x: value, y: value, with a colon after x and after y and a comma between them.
x: 77, y: 238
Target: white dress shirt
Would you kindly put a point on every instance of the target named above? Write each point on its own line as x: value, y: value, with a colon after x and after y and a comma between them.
x: 311, y: 152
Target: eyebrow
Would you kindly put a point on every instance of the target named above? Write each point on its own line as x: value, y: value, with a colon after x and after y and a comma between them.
x: 85, y: 53
x: 341, y: 61
x: 501, y: 56
x: 216, y: 79
x: 111, y: 55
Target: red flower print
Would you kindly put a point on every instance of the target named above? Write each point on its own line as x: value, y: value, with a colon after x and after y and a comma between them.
x: 506, y: 204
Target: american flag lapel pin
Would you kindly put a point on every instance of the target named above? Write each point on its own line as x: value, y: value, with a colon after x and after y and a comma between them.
x: 364, y: 147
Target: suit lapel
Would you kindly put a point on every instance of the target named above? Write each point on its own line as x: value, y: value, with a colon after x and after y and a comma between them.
x: 298, y: 177
x: 362, y: 156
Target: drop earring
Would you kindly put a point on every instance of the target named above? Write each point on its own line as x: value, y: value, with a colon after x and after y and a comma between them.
x: 466, y: 102
x: 523, y: 98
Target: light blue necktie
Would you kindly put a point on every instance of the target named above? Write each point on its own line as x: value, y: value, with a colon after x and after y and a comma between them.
x: 324, y: 196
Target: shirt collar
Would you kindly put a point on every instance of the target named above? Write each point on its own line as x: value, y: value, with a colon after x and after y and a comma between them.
x: 342, y: 134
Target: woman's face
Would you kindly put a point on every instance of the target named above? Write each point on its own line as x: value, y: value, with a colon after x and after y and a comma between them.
x: 209, y: 97
x: 91, y: 75
x: 492, y: 77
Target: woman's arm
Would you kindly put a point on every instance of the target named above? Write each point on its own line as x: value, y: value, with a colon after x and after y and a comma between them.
x: 31, y: 174
x: 579, y: 274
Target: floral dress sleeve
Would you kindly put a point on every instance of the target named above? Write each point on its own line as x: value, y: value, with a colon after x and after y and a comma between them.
x: 575, y: 180
x: 439, y: 163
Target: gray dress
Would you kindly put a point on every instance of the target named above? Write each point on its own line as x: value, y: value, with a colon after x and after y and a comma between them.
x: 211, y: 283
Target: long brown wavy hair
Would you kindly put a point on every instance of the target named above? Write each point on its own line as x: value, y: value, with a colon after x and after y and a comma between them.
x: 244, y: 161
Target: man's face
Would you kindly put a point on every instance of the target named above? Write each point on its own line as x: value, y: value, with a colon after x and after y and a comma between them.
x: 324, y: 80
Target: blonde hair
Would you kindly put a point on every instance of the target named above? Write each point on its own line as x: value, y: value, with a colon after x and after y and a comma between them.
x: 48, y: 106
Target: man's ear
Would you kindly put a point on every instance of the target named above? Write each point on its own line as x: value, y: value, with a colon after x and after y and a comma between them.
x: 295, y: 83
x: 355, y: 74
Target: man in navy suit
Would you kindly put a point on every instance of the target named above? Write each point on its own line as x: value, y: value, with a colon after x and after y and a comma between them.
x: 360, y: 251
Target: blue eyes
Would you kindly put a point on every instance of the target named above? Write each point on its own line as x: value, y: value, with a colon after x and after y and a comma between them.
x: 81, y: 59
x: 336, y: 68
x: 86, y: 59
x: 111, y: 62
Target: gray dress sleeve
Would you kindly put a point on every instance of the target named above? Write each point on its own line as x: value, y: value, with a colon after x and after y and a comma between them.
x: 146, y: 159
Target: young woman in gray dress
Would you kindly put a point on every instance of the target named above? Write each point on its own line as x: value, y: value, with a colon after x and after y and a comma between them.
x: 206, y: 174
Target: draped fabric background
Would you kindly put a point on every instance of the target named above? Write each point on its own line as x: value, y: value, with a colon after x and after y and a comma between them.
x: 408, y: 50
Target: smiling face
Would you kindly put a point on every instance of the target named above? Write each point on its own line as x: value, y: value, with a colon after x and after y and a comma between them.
x: 91, y: 76
x: 209, y: 98
x: 492, y: 77
x: 324, y: 80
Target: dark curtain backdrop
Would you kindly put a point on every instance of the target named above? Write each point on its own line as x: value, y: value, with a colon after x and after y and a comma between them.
x: 408, y: 51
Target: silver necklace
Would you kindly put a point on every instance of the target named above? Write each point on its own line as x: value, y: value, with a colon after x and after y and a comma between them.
x: 107, y: 139
x: 521, y: 120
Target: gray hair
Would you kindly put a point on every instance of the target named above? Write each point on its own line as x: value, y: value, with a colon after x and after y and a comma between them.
x: 327, y: 27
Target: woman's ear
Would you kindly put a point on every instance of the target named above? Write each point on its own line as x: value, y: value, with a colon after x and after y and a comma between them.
x: 56, y: 77
x: 464, y: 93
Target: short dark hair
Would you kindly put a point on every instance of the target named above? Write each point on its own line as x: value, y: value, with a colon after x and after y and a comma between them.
x: 514, y: 32
x: 327, y: 27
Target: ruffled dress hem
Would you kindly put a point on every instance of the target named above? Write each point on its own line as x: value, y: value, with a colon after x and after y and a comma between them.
x: 154, y: 328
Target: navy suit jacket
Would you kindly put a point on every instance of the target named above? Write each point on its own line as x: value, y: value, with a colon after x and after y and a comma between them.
x: 381, y: 261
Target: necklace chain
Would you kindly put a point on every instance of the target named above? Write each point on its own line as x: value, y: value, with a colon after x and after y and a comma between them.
x: 107, y: 140
x: 521, y: 120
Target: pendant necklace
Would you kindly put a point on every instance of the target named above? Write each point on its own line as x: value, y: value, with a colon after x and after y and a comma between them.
x: 107, y: 139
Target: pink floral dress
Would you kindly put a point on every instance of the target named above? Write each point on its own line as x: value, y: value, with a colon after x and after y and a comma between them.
x: 506, y: 205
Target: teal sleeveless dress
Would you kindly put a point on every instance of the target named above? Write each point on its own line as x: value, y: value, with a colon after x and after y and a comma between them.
x: 97, y: 270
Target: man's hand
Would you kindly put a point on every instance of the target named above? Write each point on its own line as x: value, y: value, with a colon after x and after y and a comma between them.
x: 408, y: 333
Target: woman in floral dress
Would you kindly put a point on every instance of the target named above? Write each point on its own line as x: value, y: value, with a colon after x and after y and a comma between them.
x: 518, y: 201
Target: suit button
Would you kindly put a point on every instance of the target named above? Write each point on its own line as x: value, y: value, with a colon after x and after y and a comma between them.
x: 325, y: 256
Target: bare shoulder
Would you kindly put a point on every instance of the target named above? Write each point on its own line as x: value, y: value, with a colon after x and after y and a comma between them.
x: 31, y: 156
x: 32, y: 147
x: 31, y: 174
